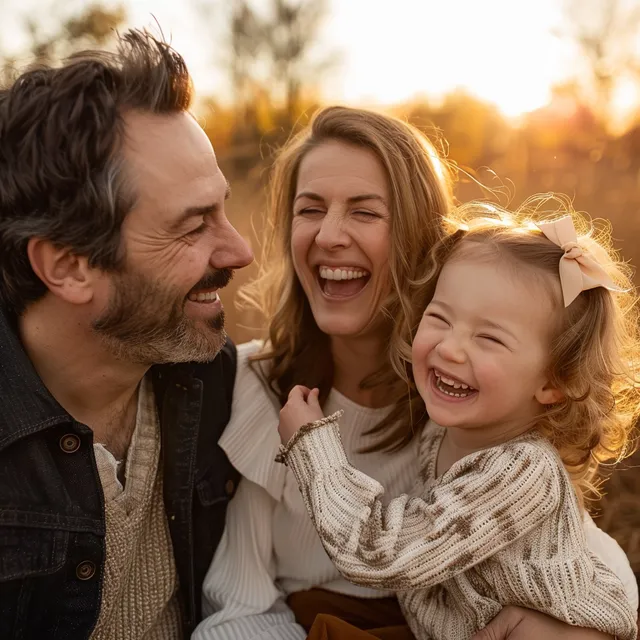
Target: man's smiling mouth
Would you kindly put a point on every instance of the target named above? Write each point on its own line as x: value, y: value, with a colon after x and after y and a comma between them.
x: 204, y: 296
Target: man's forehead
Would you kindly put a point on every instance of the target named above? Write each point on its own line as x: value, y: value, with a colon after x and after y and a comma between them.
x: 171, y: 165
x: 174, y: 145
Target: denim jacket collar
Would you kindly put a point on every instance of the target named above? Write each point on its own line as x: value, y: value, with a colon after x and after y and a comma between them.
x: 26, y: 406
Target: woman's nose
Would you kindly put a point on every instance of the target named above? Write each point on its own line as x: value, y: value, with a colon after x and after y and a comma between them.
x: 333, y: 232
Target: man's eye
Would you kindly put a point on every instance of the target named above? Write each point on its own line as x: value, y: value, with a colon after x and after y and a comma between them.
x: 198, y: 230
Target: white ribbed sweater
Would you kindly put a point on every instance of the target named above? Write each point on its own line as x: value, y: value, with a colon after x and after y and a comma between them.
x: 502, y: 526
x: 298, y: 560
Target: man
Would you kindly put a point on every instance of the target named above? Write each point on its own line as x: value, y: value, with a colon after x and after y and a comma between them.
x: 113, y: 245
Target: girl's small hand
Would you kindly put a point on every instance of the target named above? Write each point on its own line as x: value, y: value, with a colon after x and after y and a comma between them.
x: 302, y: 407
x: 516, y: 623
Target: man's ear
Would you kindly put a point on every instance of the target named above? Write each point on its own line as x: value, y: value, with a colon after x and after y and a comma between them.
x: 65, y: 274
x: 548, y: 394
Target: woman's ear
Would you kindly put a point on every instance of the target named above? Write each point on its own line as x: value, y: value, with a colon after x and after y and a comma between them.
x: 548, y: 394
x: 65, y: 274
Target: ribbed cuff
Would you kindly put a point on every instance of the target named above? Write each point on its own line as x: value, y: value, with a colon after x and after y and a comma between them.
x: 314, y: 447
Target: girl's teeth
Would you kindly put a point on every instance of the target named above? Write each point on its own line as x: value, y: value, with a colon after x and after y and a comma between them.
x: 464, y: 389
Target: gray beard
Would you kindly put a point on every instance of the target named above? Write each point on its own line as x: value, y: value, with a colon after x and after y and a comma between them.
x: 145, y: 323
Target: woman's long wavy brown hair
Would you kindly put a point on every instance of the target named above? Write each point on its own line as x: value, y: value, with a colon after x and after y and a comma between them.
x: 595, y: 350
x: 420, y: 194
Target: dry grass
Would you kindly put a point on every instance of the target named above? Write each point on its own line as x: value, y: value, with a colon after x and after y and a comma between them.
x: 619, y: 509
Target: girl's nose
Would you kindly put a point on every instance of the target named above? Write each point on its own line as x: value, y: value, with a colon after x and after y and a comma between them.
x: 452, y: 349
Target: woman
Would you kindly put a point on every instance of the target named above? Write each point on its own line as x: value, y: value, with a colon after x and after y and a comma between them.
x: 355, y: 205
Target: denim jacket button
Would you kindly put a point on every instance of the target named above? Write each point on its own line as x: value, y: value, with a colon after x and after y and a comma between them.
x: 70, y: 443
x: 85, y: 570
x: 229, y: 487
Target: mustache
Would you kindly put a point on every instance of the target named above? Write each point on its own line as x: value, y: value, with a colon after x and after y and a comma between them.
x: 217, y: 280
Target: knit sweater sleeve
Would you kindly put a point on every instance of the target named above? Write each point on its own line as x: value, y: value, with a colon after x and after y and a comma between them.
x: 481, y: 505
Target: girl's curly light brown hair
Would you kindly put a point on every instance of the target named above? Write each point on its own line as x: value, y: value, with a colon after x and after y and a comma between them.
x: 595, y: 349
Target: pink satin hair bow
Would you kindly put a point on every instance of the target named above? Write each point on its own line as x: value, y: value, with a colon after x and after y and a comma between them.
x: 578, y: 270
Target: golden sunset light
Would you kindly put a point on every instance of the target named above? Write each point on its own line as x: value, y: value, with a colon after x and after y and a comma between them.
x: 503, y: 52
x: 386, y: 237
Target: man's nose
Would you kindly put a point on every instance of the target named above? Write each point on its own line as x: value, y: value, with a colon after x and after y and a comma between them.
x: 232, y: 251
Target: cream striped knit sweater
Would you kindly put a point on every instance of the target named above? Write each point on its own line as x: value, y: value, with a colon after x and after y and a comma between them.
x: 502, y: 526
x: 140, y: 583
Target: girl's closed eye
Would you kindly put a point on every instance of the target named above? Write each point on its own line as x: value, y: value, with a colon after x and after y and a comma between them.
x: 432, y: 315
x: 493, y: 340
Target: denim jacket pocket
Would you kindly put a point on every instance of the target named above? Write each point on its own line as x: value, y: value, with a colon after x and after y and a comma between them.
x: 29, y: 551
x: 215, y: 488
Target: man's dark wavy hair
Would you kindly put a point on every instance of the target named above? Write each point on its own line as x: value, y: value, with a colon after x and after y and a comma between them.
x: 62, y: 175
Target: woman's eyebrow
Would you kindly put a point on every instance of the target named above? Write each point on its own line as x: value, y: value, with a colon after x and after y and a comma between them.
x: 311, y: 195
x: 353, y: 199
x: 366, y: 196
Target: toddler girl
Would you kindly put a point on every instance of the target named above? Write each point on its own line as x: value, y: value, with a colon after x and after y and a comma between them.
x: 525, y: 360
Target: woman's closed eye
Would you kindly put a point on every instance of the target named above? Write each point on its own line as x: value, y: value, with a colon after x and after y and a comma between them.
x: 310, y: 211
x: 366, y: 214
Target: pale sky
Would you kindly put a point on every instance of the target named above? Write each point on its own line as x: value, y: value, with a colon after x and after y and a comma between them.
x: 502, y: 51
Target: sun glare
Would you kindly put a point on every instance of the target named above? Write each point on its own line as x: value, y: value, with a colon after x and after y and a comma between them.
x: 624, y: 103
x: 501, y: 51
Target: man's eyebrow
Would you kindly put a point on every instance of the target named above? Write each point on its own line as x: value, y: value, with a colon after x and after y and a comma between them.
x: 227, y: 193
x: 352, y: 200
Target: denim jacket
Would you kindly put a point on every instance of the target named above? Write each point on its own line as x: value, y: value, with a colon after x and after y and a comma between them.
x: 52, y: 523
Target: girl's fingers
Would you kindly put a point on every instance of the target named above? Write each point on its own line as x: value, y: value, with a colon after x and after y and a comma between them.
x: 312, y: 398
x: 298, y: 392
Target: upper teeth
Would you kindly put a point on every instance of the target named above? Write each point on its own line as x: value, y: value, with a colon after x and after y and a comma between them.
x: 201, y: 297
x: 453, y: 383
x: 341, y: 274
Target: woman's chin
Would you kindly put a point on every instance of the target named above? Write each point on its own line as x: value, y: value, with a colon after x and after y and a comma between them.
x: 348, y: 325
x: 340, y: 327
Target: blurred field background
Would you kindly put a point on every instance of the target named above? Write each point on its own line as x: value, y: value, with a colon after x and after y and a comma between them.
x: 524, y: 96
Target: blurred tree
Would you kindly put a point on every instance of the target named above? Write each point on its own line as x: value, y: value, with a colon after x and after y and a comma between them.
x: 271, y: 59
x: 474, y: 130
x: 245, y: 41
x: 292, y: 34
x: 606, y: 33
x: 94, y: 26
